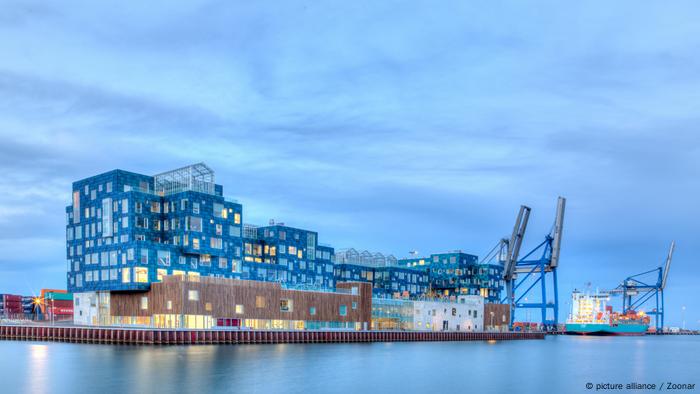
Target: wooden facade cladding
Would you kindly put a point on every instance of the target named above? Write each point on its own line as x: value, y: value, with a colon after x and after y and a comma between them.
x: 501, y: 315
x: 218, y: 298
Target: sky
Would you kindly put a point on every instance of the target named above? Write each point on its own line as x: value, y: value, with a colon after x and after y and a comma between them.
x: 389, y: 126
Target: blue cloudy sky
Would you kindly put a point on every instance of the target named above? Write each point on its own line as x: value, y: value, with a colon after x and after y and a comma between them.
x: 389, y: 126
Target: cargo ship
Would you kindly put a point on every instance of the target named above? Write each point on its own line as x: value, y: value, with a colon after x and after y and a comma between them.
x: 591, y: 316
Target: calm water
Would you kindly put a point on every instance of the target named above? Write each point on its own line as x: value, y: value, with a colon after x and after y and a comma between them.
x: 557, y: 364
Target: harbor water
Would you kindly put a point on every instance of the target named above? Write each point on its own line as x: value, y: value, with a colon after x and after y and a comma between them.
x: 558, y: 364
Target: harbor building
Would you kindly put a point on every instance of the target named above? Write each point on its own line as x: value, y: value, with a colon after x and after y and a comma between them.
x: 207, y: 302
x: 463, y: 313
x: 126, y: 232
x: 388, y: 279
x: 458, y: 273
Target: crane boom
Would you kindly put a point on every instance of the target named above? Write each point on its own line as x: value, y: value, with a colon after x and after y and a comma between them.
x: 558, y: 229
x: 516, y: 241
x: 668, y: 264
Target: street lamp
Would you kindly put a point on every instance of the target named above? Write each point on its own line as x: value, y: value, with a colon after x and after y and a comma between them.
x: 683, y: 316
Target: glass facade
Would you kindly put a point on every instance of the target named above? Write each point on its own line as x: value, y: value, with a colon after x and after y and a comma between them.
x: 126, y: 230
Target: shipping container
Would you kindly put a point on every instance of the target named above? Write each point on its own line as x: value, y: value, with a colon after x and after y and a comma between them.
x: 59, y: 296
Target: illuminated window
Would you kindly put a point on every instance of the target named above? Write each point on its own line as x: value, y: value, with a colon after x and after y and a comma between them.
x: 273, y: 250
x: 140, y: 274
x: 286, y: 305
x: 215, y: 243
x: 299, y: 253
x: 178, y: 273
x: 144, y: 303
x: 260, y: 302
x: 237, y: 218
x: 193, y: 276
x: 160, y: 273
x: 207, y: 306
x: 195, y: 243
x: 239, y: 309
x: 292, y: 250
x: 169, y: 305
x: 193, y: 295
x: 126, y: 275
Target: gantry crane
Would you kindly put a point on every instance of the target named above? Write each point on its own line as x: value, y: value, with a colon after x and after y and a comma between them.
x: 521, y: 275
x: 637, y: 290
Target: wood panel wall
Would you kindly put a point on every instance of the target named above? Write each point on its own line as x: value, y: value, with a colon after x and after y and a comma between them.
x: 224, y: 294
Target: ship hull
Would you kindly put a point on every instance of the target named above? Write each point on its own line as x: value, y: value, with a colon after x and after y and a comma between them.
x: 606, y: 329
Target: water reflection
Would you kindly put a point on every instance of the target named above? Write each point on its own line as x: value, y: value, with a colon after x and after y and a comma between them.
x: 38, y: 357
x: 558, y: 364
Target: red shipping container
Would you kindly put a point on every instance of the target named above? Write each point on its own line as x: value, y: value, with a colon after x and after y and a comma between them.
x: 10, y: 297
x: 57, y: 303
x: 61, y: 311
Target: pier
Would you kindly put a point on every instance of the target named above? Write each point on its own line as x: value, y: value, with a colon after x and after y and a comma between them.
x: 150, y: 336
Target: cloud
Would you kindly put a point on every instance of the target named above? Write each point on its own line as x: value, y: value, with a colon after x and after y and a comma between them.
x: 381, y: 125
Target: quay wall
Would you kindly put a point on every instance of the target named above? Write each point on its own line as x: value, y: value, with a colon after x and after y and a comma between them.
x: 150, y: 336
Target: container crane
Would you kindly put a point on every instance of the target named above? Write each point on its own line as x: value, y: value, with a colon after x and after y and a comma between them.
x: 637, y: 290
x: 521, y: 275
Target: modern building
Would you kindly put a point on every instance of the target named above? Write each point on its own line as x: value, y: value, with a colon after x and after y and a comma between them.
x: 463, y: 313
x: 458, y: 273
x: 388, y: 279
x: 205, y: 302
x: 126, y: 232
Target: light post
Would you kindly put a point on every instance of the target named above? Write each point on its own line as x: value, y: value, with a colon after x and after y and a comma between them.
x: 683, y: 316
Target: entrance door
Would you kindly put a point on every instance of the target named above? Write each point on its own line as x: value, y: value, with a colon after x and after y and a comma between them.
x: 445, y: 325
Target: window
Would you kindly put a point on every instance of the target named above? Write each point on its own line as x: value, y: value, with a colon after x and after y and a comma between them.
x: 219, y: 210
x: 195, y: 243
x: 144, y: 256
x: 259, y: 302
x: 234, y: 231
x: 215, y: 243
x: 169, y: 305
x: 195, y: 223
x: 239, y: 309
x: 144, y: 303
x: 223, y: 262
x: 219, y: 229
x: 193, y: 295
x: 141, y: 222
x: 286, y: 305
x: 140, y: 274
x: 138, y: 207
x: 343, y: 310
x: 292, y: 250
x: 195, y: 207
x: 237, y: 218
x: 207, y: 306
x: 205, y: 260
x: 107, y: 217
x: 312, y: 311
x: 76, y: 207
x: 126, y: 275
x: 164, y: 258
x: 160, y: 273
x: 354, y: 305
